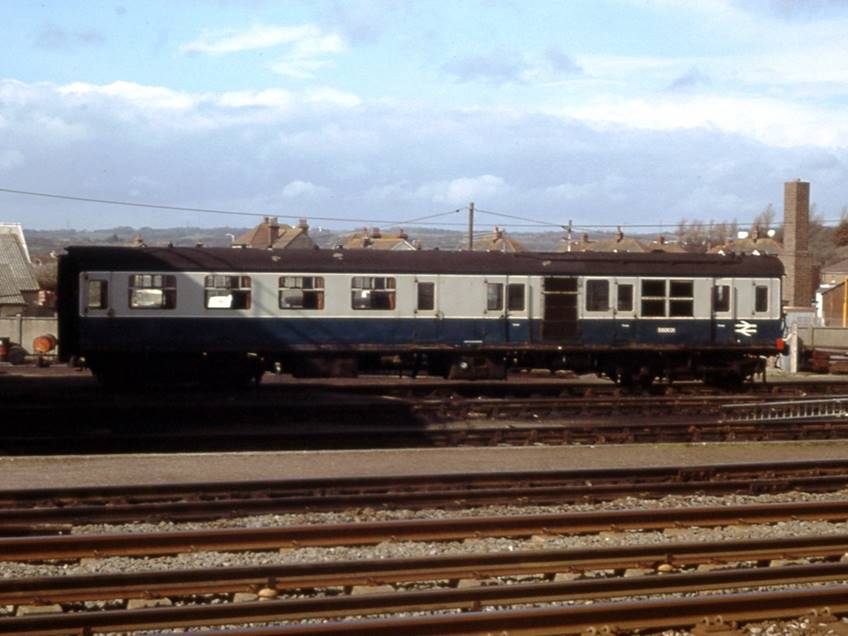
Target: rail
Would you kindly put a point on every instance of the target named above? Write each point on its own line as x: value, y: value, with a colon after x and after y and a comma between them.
x: 795, y: 410
x: 373, y: 532
x: 23, y: 512
x: 453, y: 568
x: 713, y: 609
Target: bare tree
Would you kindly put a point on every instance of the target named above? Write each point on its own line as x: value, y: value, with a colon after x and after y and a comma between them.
x: 840, y: 234
x: 763, y: 221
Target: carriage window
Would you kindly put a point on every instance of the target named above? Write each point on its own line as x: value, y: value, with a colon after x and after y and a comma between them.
x: 597, y: 295
x: 653, y: 298
x: 515, y: 296
x: 681, y: 298
x: 760, y: 298
x: 227, y: 292
x: 152, y: 291
x: 301, y: 292
x: 721, y: 298
x: 426, y: 296
x: 625, y: 298
x: 494, y: 296
x: 97, y: 294
x: 372, y: 292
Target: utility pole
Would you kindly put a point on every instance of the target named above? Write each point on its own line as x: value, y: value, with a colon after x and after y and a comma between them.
x: 471, y: 226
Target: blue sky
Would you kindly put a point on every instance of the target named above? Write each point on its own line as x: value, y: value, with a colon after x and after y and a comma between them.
x: 349, y: 113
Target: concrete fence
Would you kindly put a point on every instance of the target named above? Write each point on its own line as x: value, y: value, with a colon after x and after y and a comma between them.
x: 24, y: 329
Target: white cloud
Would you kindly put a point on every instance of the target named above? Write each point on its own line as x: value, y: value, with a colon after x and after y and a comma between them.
x: 271, y: 98
x: 308, y: 46
x: 332, y: 97
x: 255, y: 37
x: 302, y: 189
x: 771, y: 121
x: 151, y: 97
x: 462, y: 190
x: 300, y: 151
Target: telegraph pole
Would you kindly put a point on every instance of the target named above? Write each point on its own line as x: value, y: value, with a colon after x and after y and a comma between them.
x: 471, y: 226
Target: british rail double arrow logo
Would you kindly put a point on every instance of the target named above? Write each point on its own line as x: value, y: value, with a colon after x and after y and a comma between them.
x: 745, y: 328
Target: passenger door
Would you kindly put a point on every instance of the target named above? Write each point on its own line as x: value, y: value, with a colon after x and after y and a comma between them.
x: 559, y: 318
x: 517, y: 309
x: 496, y: 324
x: 624, y: 311
x: 95, y: 295
x: 724, y: 310
x: 96, y: 309
x: 428, y: 318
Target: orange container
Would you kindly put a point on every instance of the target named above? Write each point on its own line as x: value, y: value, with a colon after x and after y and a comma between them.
x: 44, y: 344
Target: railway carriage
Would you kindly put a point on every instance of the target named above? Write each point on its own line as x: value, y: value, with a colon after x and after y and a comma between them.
x: 235, y: 313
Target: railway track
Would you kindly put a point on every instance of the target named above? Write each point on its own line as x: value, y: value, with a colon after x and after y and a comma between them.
x: 224, y: 436
x: 70, y: 547
x: 190, y: 594
x: 24, y: 512
x: 557, y: 591
x: 321, y: 421
x: 450, y: 570
x: 471, y: 599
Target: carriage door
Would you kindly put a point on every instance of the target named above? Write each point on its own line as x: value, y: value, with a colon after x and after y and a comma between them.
x: 95, y: 293
x: 723, y: 311
x: 517, y: 309
x: 624, y: 310
x: 428, y: 317
x: 495, y: 325
x: 559, y: 317
x: 94, y: 300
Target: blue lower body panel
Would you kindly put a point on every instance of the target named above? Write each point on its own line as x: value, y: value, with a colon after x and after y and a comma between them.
x: 279, y: 334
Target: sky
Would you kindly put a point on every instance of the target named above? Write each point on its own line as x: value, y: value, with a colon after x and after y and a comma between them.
x: 376, y: 112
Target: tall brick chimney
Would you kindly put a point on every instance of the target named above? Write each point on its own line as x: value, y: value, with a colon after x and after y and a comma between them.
x: 798, y: 284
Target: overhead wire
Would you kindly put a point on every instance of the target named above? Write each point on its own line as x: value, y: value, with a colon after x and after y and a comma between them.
x: 528, y: 222
x: 177, y: 208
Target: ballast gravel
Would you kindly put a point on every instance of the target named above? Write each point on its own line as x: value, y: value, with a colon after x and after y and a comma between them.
x: 396, y: 550
x: 410, y: 549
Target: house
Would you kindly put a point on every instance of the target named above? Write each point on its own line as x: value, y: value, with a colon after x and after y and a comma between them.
x: 832, y: 305
x: 621, y: 243
x: 18, y: 284
x: 498, y: 241
x: 754, y: 243
x: 271, y: 234
x: 834, y: 273
x: 377, y: 240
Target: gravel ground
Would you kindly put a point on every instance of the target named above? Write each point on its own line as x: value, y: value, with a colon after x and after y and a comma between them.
x: 417, y: 549
x: 478, y: 545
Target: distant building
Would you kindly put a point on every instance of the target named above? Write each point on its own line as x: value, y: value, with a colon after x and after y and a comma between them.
x: 831, y: 301
x: 498, y: 241
x: 751, y: 244
x: 621, y: 243
x: 660, y: 244
x: 377, y: 240
x: 18, y: 284
x: 271, y: 234
x: 834, y: 273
